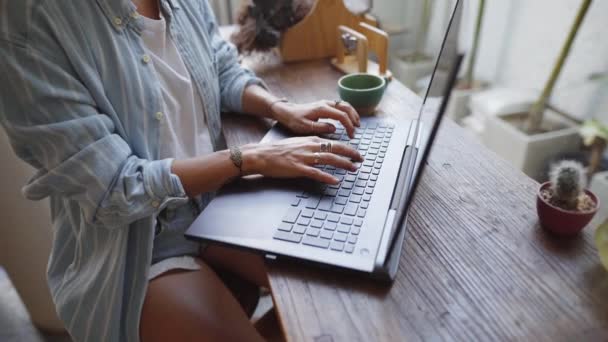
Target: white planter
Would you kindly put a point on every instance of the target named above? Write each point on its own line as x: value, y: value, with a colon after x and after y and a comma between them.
x: 410, y: 72
x: 530, y: 153
x: 599, y: 186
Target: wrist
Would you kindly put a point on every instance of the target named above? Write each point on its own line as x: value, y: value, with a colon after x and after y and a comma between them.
x: 277, y: 108
x: 252, y: 160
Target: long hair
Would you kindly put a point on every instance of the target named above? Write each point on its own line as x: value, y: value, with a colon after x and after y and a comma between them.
x: 263, y: 21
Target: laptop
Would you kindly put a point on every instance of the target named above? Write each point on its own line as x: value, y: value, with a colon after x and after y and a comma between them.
x: 358, y: 225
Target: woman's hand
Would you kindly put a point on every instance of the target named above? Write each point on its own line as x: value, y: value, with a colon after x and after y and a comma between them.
x: 303, y: 118
x: 295, y: 157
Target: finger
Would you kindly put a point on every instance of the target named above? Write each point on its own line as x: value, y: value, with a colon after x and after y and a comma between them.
x: 326, y: 111
x: 337, y: 161
x: 344, y: 150
x: 347, y: 108
x: 322, y: 127
x: 318, y: 175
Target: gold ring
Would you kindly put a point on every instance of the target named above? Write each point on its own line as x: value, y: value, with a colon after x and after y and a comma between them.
x: 317, y: 158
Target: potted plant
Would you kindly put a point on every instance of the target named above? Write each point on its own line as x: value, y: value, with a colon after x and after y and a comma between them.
x: 458, y: 107
x: 540, y: 132
x: 410, y: 65
x: 564, y: 206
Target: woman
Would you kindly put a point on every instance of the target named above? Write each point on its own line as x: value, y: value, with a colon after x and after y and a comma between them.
x: 116, y: 104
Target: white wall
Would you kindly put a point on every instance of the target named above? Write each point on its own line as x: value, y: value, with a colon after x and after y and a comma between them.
x: 520, y: 43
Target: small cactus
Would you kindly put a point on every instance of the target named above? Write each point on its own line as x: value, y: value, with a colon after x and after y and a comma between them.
x: 567, y: 183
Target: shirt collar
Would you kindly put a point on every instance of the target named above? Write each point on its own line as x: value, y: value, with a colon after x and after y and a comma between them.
x: 121, y: 12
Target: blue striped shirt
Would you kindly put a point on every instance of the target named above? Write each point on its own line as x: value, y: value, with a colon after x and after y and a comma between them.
x: 81, y: 103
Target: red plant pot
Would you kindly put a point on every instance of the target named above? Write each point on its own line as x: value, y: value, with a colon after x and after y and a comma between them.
x: 560, y: 221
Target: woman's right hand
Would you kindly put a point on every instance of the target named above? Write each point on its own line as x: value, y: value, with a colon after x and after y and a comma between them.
x: 296, y: 157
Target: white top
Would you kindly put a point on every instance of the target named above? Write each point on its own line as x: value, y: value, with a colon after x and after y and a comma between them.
x: 183, y: 130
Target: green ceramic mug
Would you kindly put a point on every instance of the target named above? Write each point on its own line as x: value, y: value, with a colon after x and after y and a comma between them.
x: 362, y: 91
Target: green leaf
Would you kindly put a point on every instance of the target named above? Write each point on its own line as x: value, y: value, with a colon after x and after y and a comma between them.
x: 601, y: 242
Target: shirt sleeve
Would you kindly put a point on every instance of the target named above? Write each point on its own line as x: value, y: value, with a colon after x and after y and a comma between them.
x: 54, y: 125
x: 233, y: 77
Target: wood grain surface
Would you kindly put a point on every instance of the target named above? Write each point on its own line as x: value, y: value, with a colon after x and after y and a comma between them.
x: 475, y: 265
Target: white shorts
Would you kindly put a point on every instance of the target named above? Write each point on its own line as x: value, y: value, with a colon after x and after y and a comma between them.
x: 184, y: 262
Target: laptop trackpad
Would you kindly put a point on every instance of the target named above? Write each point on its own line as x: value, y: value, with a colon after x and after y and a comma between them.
x: 250, y: 208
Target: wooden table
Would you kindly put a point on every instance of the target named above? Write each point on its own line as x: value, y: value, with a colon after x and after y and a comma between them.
x: 475, y: 265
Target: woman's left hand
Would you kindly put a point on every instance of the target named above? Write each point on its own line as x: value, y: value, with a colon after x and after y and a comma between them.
x: 303, y: 118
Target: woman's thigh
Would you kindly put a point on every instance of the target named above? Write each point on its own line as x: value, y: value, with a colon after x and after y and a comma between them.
x: 247, y: 265
x: 193, y: 306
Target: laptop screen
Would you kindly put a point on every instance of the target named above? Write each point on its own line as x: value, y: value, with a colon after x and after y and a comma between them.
x: 432, y: 88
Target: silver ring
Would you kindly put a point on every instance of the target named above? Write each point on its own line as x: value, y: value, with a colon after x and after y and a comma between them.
x: 312, y: 126
x: 337, y: 103
x: 326, y: 147
x: 317, y: 158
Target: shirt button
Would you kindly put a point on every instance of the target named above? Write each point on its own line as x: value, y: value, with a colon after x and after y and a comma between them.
x: 159, y: 116
x: 156, y: 204
x: 145, y: 59
x: 117, y: 21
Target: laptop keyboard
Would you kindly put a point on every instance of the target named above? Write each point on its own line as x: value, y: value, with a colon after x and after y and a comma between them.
x: 331, y: 216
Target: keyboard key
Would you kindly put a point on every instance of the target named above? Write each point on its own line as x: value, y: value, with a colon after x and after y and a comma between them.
x: 366, y: 169
x: 358, y: 190
x: 307, y: 213
x: 358, y: 222
x: 373, y: 177
x: 316, y: 223
x: 364, y: 176
x: 340, y: 237
x: 376, y: 172
x: 333, y: 218
x: 364, y: 205
x: 330, y: 225
x: 341, y: 200
x: 315, y: 241
x: 350, y: 178
x: 340, y: 172
x: 371, y: 184
x: 352, y: 239
x: 303, y: 221
x: 361, y: 212
x: 351, y: 209
x: 296, y: 202
x: 292, y: 215
x: 377, y: 165
x: 343, y: 228
x: 344, y: 192
x: 369, y: 191
x: 368, y: 163
x: 346, y: 220
x: 285, y: 236
x: 361, y: 183
x: 355, y: 198
x: 327, y: 234
x: 313, y: 231
x: 349, y: 248
x: 337, y: 246
x: 331, y: 192
x: 320, y: 215
x: 326, y: 203
x: 313, y: 202
x: 286, y: 227
x: 337, y: 208
x: 355, y: 230
x: 367, y: 198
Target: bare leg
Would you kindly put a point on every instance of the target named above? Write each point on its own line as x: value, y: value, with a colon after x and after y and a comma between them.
x: 193, y: 306
x: 247, y: 265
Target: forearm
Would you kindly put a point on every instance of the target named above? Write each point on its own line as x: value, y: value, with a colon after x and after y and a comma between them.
x: 259, y: 102
x: 209, y: 173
